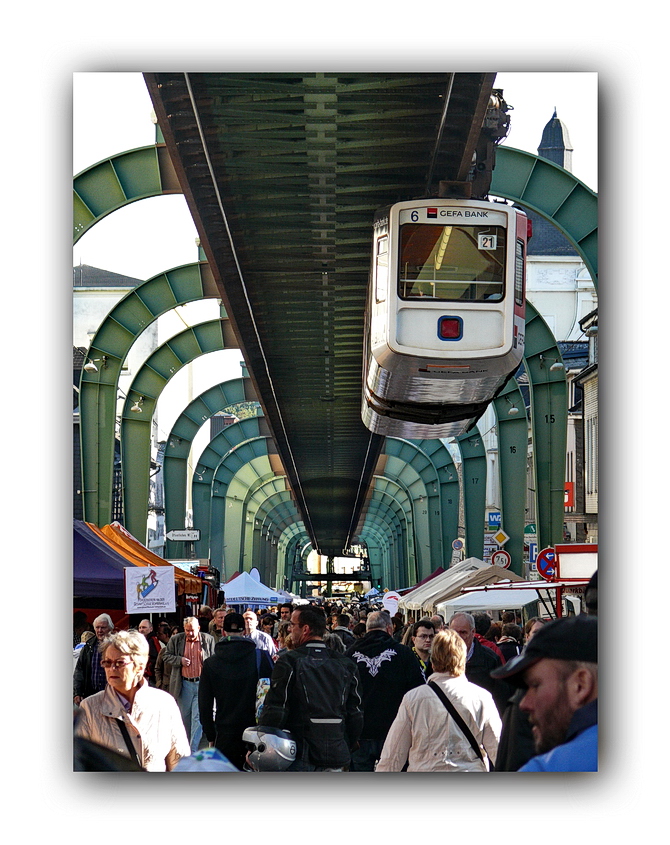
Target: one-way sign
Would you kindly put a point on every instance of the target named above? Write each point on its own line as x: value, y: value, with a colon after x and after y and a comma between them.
x: 184, y: 534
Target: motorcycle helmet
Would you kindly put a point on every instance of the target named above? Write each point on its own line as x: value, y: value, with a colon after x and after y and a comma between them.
x: 270, y: 749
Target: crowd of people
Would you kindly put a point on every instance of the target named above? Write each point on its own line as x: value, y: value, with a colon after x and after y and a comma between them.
x: 336, y: 688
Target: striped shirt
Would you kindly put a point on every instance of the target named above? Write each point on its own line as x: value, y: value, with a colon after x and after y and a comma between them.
x: 192, y: 650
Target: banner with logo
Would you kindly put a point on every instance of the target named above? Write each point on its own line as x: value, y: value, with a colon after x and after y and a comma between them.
x: 149, y: 589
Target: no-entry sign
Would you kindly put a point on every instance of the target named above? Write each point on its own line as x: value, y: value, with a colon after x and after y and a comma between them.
x: 546, y: 563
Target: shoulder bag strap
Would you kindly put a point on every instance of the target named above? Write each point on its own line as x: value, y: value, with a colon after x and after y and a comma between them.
x: 458, y: 719
x: 129, y: 743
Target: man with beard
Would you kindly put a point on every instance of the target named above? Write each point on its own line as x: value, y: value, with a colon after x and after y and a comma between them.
x: 559, y: 670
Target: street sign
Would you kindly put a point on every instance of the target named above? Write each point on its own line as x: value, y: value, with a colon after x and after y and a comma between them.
x: 495, y: 519
x: 501, y: 558
x: 457, y: 545
x: 184, y: 535
x: 546, y: 563
x: 501, y: 537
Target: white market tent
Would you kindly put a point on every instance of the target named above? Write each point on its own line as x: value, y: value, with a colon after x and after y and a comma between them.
x: 243, y: 589
x: 415, y: 599
x: 487, y: 600
x: 443, y: 588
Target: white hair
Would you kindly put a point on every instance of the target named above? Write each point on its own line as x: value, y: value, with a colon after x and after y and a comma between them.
x: 104, y: 617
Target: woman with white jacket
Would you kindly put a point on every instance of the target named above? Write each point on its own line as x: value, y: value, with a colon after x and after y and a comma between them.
x: 129, y: 716
x: 426, y: 736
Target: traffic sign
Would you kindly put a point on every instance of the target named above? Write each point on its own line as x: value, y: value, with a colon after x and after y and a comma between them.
x: 457, y: 545
x: 501, y: 558
x: 184, y: 534
x: 501, y: 537
x: 546, y: 563
x: 495, y: 519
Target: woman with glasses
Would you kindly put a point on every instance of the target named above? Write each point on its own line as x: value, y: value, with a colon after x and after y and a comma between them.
x: 129, y: 716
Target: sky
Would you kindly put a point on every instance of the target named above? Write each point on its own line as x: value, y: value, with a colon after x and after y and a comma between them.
x: 158, y: 233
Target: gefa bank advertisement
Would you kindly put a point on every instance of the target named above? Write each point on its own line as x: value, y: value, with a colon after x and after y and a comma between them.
x: 149, y: 589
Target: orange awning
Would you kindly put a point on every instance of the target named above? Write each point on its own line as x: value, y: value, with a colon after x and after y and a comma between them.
x: 132, y: 550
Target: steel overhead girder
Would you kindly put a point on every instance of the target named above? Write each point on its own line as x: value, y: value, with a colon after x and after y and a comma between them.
x: 108, y: 350
x: 282, y: 173
x: 549, y: 426
x: 474, y: 490
x: 143, y: 394
x: 513, y: 454
x: 553, y: 192
x: 119, y: 180
x: 239, y: 520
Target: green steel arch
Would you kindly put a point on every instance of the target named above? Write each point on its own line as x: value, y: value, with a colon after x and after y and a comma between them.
x: 276, y: 513
x: 206, y: 475
x: 378, y: 543
x: 513, y: 453
x: 474, y: 490
x: 119, y: 180
x: 397, y: 497
x: 427, y: 506
x: 379, y: 515
x: 108, y: 350
x: 549, y: 426
x: 142, y: 396
x: 179, y: 443
x: 522, y: 177
x: 449, y: 491
x: 553, y: 192
x: 240, y: 468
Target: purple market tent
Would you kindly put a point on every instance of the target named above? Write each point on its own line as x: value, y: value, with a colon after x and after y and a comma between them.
x: 97, y: 568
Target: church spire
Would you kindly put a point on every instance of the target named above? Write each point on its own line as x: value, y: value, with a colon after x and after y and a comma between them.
x: 555, y: 144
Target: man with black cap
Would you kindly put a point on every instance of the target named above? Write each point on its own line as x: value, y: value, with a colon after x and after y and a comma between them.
x: 228, y: 685
x: 559, y: 670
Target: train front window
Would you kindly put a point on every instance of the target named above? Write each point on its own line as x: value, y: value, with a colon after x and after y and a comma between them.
x: 452, y: 262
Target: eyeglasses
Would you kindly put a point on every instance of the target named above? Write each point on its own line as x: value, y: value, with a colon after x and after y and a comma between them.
x: 116, y: 664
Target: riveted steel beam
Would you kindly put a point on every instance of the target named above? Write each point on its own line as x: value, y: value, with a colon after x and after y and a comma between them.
x: 549, y: 425
x: 513, y: 453
x: 553, y: 192
x: 473, y: 454
x: 139, y: 407
x: 117, y: 181
x: 108, y: 350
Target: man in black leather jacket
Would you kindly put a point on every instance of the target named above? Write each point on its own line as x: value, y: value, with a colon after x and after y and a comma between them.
x: 315, y: 694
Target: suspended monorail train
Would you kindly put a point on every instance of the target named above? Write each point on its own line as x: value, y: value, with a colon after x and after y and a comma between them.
x: 445, y: 315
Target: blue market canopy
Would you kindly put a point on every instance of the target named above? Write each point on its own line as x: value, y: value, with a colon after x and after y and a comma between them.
x: 97, y: 568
